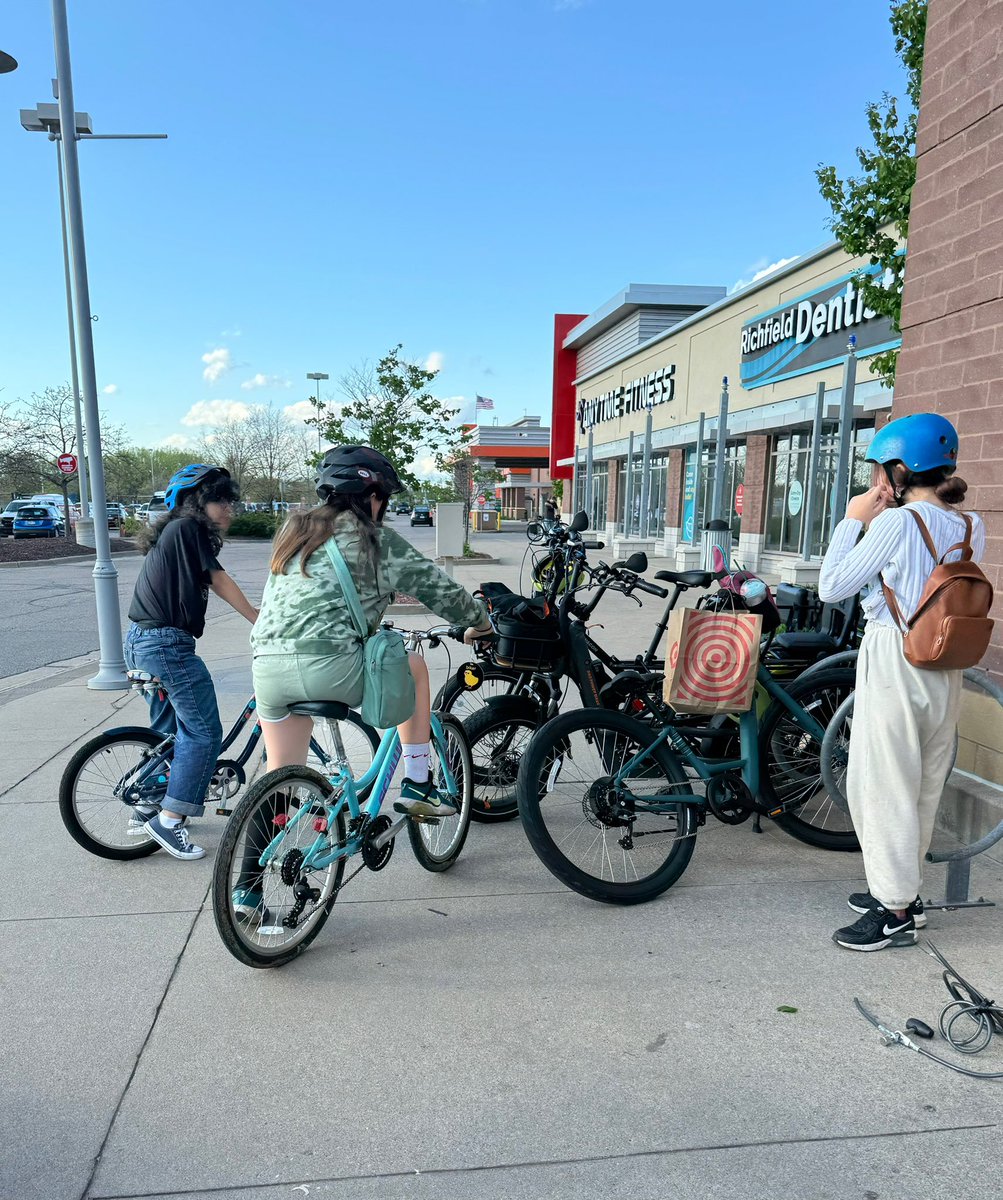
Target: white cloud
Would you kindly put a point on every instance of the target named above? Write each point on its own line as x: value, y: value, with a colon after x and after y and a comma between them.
x: 110, y: 390
x: 215, y: 412
x: 424, y: 467
x: 217, y: 363
x: 761, y: 271
x: 262, y: 381
x: 434, y: 361
x: 299, y: 411
x: 177, y: 441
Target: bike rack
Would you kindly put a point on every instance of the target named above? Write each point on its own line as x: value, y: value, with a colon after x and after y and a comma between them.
x: 959, y: 870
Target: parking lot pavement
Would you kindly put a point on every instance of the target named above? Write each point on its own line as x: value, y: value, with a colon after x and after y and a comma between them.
x: 480, y: 1033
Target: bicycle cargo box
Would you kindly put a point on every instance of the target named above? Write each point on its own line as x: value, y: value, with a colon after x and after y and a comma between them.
x: 527, y: 642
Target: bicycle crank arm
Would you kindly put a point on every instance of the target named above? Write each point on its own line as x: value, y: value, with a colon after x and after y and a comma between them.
x: 389, y: 834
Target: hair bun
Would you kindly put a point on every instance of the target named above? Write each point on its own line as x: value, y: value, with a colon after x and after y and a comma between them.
x: 952, y: 489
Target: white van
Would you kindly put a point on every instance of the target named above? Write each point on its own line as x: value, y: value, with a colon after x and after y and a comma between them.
x: 52, y: 498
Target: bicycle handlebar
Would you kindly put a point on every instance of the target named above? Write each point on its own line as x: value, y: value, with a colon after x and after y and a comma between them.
x: 642, y: 585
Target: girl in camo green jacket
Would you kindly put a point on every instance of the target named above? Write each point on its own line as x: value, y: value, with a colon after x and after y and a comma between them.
x: 305, y: 645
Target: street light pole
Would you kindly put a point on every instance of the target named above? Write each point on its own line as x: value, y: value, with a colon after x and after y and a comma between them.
x: 85, y: 522
x: 317, y: 376
x: 111, y: 665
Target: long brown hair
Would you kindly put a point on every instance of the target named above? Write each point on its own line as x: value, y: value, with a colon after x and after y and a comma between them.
x: 303, y: 533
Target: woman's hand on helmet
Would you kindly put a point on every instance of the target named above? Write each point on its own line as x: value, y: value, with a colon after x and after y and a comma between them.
x: 869, y: 504
x: 478, y: 634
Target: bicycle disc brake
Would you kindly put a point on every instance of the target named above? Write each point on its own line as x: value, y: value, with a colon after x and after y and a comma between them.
x: 729, y: 799
x: 604, y: 806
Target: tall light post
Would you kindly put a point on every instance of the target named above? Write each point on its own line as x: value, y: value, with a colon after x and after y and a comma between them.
x: 317, y: 376
x: 7, y: 63
x: 111, y: 665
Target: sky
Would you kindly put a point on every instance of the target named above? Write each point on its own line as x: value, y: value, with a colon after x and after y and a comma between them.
x: 339, y: 178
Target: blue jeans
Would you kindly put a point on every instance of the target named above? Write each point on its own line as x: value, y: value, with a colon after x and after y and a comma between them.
x: 189, y: 711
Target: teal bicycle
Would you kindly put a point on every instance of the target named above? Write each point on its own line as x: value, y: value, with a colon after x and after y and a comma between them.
x: 281, y: 863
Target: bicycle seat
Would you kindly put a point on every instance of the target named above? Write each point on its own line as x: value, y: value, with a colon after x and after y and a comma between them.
x: 331, y: 710
x: 806, y: 643
x: 687, y: 579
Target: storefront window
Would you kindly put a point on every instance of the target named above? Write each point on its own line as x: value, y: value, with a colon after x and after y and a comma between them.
x: 734, y: 478
x: 789, y: 481
x: 657, y: 488
x: 600, y: 487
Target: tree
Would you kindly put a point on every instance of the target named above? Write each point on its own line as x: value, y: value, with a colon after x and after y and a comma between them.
x: 871, y: 211
x: 230, y: 445
x: 390, y: 408
x: 45, y: 428
x: 276, y: 449
x: 470, y: 478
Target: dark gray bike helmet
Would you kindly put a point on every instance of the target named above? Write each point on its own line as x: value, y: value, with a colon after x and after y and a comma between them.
x: 354, y: 471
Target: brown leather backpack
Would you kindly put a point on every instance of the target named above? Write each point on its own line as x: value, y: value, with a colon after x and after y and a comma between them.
x: 951, y: 628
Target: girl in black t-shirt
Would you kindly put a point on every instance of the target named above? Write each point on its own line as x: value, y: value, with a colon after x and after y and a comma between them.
x: 168, y: 614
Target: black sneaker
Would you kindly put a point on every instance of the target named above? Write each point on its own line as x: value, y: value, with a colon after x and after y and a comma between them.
x: 877, y: 929
x: 863, y: 902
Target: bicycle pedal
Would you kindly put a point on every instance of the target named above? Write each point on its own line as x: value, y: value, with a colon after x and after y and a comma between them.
x: 223, y: 812
x: 421, y: 820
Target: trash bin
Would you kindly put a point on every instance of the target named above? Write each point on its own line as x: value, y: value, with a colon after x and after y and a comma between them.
x: 716, y: 533
x: 484, y: 520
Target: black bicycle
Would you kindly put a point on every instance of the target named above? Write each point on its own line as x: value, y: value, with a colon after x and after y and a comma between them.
x: 114, y: 774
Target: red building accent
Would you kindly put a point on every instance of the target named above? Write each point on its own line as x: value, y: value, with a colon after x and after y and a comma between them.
x: 562, y: 419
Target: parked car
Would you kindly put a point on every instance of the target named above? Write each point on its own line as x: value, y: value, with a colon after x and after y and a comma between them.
x: 403, y: 507
x: 7, y: 516
x: 421, y: 514
x: 156, y: 508
x: 38, y: 520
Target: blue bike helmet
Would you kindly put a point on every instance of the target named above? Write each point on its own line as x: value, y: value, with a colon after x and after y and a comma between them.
x: 190, y: 477
x: 922, y: 441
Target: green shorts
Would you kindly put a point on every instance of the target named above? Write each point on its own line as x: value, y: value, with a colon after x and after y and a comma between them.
x: 284, y: 679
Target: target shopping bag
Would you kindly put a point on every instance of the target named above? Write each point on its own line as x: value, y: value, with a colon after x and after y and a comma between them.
x: 711, y: 660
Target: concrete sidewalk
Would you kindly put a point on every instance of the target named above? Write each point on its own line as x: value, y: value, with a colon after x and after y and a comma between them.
x: 482, y: 1033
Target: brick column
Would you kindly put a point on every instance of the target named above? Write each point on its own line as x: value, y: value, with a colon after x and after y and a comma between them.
x: 757, y: 461
x: 952, y: 313
x: 674, y: 488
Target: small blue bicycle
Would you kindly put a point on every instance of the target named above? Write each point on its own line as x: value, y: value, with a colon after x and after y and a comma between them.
x: 281, y: 862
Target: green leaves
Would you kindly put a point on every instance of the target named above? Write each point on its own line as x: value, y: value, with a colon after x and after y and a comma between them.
x: 871, y: 211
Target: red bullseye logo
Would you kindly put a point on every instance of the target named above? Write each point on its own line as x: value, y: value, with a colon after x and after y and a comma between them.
x: 718, y: 661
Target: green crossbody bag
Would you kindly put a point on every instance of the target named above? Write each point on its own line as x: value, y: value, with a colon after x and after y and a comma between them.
x: 388, y: 686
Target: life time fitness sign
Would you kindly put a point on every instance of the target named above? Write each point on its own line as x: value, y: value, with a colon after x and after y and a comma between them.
x: 811, y: 332
x: 650, y: 390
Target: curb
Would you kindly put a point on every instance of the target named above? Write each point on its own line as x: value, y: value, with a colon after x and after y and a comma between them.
x: 71, y: 558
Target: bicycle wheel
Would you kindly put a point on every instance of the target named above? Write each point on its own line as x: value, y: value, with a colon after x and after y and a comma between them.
x: 438, y: 846
x: 578, y: 820
x: 282, y: 906
x: 498, y: 737
x: 791, y: 764
x: 980, y: 729
x: 463, y: 702
x: 92, y: 789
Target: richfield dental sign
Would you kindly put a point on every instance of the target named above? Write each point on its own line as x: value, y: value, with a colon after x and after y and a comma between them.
x: 812, y: 332
x: 659, y: 387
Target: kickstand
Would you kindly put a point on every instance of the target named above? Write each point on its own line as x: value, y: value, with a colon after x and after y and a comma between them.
x: 757, y: 824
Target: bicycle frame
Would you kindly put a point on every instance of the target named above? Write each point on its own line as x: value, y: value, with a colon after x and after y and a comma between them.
x: 709, y: 769
x: 379, y: 776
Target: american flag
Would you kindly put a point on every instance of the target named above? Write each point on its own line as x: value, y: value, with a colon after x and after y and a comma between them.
x: 484, y: 403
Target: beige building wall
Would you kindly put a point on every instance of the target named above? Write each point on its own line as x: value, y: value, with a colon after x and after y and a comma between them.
x: 709, y: 347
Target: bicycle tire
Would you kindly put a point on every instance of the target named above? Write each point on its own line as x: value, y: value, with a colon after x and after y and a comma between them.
x: 791, y: 764
x: 437, y: 847
x: 491, y: 733
x: 540, y: 775
x: 836, y: 741
x: 236, y: 933
x: 117, y: 810
x: 359, y: 762
x: 450, y: 696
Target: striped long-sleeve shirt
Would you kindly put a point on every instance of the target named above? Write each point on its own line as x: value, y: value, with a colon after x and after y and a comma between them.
x: 893, y: 548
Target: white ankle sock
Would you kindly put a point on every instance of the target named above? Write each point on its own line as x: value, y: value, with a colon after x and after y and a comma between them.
x: 415, y: 759
x: 171, y: 822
